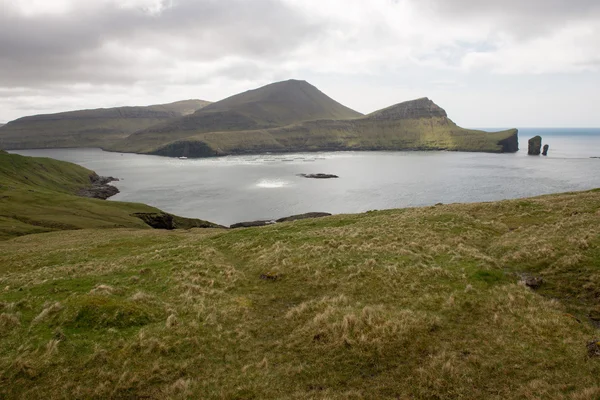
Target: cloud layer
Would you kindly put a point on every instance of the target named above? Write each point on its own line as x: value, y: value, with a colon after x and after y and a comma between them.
x: 73, y: 54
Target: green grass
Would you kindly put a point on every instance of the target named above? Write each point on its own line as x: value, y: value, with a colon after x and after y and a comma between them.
x: 39, y: 195
x: 329, y: 135
x: 415, y: 303
x: 89, y: 128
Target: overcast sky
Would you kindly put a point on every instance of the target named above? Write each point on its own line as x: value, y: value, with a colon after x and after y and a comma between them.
x: 509, y: 63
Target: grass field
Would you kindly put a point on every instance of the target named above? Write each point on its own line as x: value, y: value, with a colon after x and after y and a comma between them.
x: 39, y: 195
x: 414, y: 303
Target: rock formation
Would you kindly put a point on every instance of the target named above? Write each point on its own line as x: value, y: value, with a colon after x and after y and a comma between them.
x: 545, y: 152
x: 535, y: 146
x: 533, y: 282
x: 163, y: 220
x: 319, y: 176
x: 250, y: 224
x: 100, y: 188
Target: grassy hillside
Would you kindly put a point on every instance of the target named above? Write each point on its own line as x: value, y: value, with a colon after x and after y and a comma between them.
x: 89, y: 128
x: 413, y: 125
x: 416, y: 303
x: 38, y: 195
x: 274, y: 105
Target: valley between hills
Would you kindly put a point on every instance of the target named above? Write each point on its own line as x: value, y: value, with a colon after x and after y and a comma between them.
x: 287, y: 116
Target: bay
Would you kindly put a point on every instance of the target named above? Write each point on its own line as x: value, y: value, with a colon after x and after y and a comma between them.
x: 231, y: 189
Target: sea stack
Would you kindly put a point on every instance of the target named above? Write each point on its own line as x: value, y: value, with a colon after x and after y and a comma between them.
x: 545, y: 151
x: 535, y: 146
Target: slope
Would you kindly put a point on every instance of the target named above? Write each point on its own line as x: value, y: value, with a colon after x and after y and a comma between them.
x: 88, y: 128
x: 413, y: 125
x: 38, y: 195
x: 277, y: 104
x: 400, y: 304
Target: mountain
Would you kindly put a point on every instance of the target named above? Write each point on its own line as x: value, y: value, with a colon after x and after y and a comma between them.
x: 41, y: 195
x: 413, y: 125
x: 274, y: 105
x: 89, y: 128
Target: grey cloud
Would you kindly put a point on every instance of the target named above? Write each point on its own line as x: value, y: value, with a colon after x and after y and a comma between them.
x: 76, y: 47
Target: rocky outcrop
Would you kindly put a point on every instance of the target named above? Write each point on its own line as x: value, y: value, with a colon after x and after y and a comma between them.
x: 319, y: 176
x: 535, y: 146
x: 533, y: 282
x: 593, y: 348
x: 297, y: 217
x: 162, y: 220
x: 545, y: 152
x: 100, y: 188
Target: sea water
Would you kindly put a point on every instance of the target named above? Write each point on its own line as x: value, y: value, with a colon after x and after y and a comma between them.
x: 231, y: 189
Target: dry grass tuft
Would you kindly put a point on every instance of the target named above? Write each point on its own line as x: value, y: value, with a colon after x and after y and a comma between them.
x: 8, y: 322
x: 103, y: 290
x: 48, y: 311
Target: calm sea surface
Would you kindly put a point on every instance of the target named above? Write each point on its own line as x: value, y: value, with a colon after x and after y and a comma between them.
x: 233, y: 189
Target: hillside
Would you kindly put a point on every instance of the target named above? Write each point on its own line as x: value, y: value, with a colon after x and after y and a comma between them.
x: 89, y: 128
x: 39, y: 195
x: 414, y: 125
x: 274, y: 105
x: 420, y: 303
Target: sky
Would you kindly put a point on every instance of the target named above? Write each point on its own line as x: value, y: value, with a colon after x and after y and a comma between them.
x: 510, y: 63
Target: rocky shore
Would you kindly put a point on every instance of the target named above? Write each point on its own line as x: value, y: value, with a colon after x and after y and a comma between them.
x: 250, y: 224
x: 99, y: 187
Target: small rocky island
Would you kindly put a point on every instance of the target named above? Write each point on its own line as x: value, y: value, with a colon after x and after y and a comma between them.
x: 535, y: 146
x: 319, y: 176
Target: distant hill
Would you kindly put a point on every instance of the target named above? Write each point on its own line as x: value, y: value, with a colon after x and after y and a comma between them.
x: 89, y: 128
x: 414, y: 125
x: 274, y: 105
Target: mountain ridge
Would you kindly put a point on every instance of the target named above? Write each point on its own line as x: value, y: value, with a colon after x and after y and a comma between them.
x: 411, y: 125
x: 270, y: 106
x: 89, y: 128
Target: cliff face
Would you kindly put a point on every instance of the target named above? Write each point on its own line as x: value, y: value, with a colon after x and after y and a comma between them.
x: 511, y: 143
x: 535, y: 146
